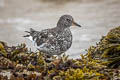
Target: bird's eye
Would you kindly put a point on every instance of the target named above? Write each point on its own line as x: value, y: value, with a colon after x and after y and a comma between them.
x: 68, y: 20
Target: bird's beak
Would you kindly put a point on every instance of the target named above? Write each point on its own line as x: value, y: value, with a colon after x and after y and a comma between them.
x: 75, y: 24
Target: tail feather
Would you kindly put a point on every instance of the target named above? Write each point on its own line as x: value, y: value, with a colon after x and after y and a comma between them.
x: 27, y: 31
x: 26, y: 35
x: 30, y: 32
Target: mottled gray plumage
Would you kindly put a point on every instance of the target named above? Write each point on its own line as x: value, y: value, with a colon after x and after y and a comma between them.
x: 54, y: 41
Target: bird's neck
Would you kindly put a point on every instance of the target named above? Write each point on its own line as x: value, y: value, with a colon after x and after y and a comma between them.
x: 62, y: 28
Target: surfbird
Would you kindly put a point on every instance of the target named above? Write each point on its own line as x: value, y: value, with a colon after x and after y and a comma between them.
x: 54, y: 41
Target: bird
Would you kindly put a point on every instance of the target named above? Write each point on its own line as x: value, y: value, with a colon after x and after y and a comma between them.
x: 56, y: 40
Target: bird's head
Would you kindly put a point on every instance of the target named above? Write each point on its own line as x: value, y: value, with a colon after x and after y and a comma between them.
x: 66, y: 21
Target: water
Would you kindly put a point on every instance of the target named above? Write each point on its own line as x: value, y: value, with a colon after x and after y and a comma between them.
x: 97, y: 17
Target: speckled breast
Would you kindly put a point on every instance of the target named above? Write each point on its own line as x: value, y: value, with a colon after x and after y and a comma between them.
x: 64, y: 41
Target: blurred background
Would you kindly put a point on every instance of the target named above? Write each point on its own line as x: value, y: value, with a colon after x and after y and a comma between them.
x: 97, y: 17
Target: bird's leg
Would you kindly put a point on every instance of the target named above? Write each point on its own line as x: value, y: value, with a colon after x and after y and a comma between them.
x: 48, y: 58
x: 36, y: 51
x: 64, y: 57
x: 59, y: 57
